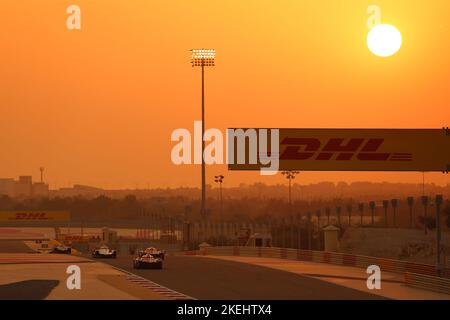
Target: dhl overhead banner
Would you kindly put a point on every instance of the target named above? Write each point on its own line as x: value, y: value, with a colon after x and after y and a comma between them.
x: 340, y: 149
x: 27, y: 216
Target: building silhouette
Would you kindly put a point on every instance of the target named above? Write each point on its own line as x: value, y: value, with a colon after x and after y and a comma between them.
x: 23, y: 188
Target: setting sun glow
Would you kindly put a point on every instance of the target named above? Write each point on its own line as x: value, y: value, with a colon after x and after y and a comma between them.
x: 97, y: 106
x: 384, y: 40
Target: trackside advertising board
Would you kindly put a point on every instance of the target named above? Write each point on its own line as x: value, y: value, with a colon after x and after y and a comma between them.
x: 27, y: 216
x: 342, y: 149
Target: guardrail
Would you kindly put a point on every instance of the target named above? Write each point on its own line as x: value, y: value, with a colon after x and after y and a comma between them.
x: 337, y: 258
x: 420, y: 281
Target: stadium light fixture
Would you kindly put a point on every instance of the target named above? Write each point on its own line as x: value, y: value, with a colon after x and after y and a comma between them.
x: 203, y: 57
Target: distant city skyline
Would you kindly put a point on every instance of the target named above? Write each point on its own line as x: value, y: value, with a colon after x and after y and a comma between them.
x: 233, y: 180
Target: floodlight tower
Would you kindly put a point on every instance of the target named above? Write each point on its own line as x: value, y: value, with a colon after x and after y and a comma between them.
x: 203, y: 58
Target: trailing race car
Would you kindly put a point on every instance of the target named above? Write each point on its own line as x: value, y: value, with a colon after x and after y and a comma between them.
x: 147, y: 261
x: 152, y: 251
x: 104, y: 252
x: 62, y: 249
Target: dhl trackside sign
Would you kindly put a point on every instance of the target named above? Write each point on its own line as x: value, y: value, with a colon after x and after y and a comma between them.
x: 29, y: 216
x: 340, y: 149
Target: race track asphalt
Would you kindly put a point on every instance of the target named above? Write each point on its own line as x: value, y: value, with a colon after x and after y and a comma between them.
x: 214, y: 279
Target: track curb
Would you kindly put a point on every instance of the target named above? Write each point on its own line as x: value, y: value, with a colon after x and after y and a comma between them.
x: 153, y: 286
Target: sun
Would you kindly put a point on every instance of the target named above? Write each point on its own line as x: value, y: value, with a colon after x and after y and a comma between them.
x: 384, y: 40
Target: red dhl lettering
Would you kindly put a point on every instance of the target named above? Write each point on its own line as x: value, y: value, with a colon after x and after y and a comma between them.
x: 338, y: 149
x: 30, y: 216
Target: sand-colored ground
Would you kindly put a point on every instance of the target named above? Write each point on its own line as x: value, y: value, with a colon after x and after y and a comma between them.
x: 30, y: 278
x: 391, y: 283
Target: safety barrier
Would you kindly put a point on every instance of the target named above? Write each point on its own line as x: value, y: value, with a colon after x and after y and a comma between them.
x: 421, y: 281
x: 336, y: 258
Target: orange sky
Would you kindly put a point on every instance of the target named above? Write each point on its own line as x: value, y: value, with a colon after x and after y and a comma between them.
x: 97, y: 106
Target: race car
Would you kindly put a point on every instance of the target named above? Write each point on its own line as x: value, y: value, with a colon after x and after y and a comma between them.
x: 61, y: 249
x: 104, y: 252
x: 152, y: 251
x: 147, y: 261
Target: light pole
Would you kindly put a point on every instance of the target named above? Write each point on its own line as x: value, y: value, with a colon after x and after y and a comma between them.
x: 385, y: 206
x: 425, y: 214
x: 424, y: 200
x: 361, y: 211
x: 219, y: 179
x: 372, y: 210
x: 410, y: 205
x: 203, y: 58
x: 349, y: 211
x: 439, y: 201
x: 394, y: 203
x: 318, y: 230
x: 338, y: 215
x: 290, y: 175
x: 318, y: 214
x: 308, y: 215
x: 299, y: 232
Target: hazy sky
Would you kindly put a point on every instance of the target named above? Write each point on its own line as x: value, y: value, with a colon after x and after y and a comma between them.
x: 97, y: 106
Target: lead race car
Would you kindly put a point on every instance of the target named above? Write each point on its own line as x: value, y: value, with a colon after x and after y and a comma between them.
x: 147, y: 261
x: 153, y: 252
x: 104, y: 252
